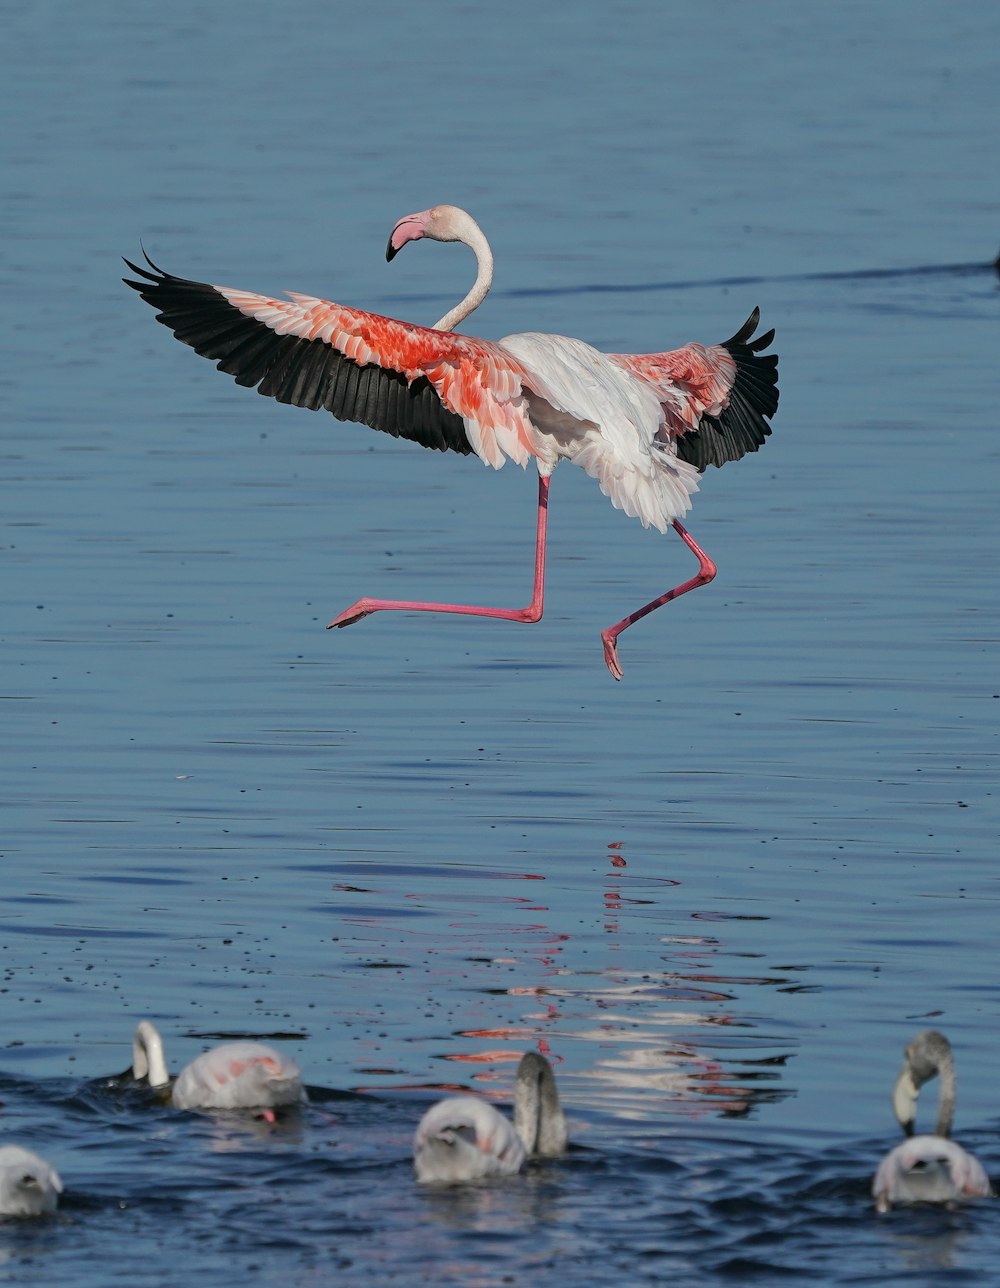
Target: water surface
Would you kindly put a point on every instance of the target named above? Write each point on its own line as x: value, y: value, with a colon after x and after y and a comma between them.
x: 722, y: 894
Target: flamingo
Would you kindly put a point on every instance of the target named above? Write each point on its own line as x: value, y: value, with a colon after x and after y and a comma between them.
x: 236, y: 1075
x: 645, y: 426
x: 927, y: 1169
x: 463, y: 1138
x: 29, y: 1186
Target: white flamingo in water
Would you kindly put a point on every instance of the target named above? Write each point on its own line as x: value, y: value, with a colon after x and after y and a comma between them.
x: 643, y: 425
x: 236, y: 1075
x: 464, y: 1138
x: 927, y: 1169
x: 29, y: 1186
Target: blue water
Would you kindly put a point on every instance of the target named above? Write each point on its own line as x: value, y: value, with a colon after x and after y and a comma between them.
x: 392, y: 849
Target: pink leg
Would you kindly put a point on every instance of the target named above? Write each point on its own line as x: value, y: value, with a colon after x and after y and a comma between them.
x: 530, y: 614
x: 706, y: 571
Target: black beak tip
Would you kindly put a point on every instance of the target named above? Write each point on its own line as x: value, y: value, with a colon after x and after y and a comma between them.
x: 390, y: 252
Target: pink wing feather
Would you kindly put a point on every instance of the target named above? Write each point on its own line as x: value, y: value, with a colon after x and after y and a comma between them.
x: 716, y: 399
x: 447, y: 391
x: 690, y: 383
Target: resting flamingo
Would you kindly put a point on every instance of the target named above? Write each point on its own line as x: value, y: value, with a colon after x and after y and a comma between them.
x: 29, y: 1186
x: 643, y: 425
x: 235, y: 1075
x: 927, y: 1169
x: 464, y: 1138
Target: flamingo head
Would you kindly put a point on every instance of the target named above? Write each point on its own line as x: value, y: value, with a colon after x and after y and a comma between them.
x: 440, y: 223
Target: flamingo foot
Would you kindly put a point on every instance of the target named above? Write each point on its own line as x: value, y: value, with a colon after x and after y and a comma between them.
x: 349, y: 616
x: 611, y: 653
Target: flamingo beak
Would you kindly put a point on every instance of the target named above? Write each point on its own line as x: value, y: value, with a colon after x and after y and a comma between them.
x: 409, y: 228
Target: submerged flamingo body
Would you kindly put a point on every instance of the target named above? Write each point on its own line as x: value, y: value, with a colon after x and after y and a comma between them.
x: 643, y: 425
x: 464, y: 1138
x: 29, y: 1186
x: 928, y: 1169
x: 235, y: 1075
x: 238, y: 1075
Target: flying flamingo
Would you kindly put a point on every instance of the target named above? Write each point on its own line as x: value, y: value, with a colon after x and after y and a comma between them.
x: 235, y: 1075
x: 643, y: 425
x: 927, y: 1169
x: 465, y: 1139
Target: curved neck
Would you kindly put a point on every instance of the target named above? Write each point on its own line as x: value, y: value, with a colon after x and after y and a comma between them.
x: 927, y: 1056
x: 473, y: 237
x: 538, y: 1116
x: 147, y: 1055
x: 946, y: 1098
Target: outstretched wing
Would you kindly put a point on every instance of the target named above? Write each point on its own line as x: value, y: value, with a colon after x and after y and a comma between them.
x: 716, y: 400
x: 445, y: 391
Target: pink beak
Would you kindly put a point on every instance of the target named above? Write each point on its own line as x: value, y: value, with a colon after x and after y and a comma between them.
x: 409, y: 228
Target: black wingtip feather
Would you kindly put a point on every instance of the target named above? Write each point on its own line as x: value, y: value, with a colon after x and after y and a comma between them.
x: 291, y: 369
x: 743, y: 426
x: 762, y: 341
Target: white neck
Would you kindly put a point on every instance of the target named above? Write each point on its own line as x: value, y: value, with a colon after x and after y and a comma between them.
x: 147, y: 1055
x: 473, y: 237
